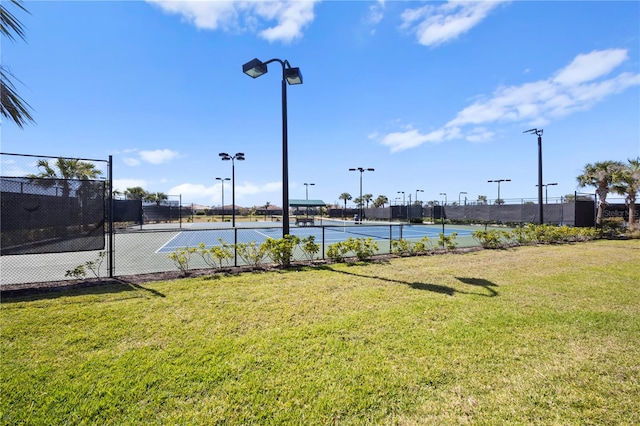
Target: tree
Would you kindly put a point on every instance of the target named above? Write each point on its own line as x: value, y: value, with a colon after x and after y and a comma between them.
x: 266, y: 209
x: 64, y: 169
x: 482, y: 199
x: 135, y: 193
x: 345, y: 196
x: 12, y: 106
x: 627, y: 183
x: 155, y: 197
x: 380, y: 201
x: 602, y: 176
x: 367, y: 199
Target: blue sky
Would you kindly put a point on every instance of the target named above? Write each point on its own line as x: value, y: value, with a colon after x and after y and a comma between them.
x: 434, y: 95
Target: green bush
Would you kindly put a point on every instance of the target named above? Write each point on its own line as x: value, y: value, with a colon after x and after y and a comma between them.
x: 281, y: 250
x: 252, y: 253
x: 447, y: 241
x: 362, y: 248
x: 491, y: 239
x: 217, y: 255
x: 401, y: 247
x: 309, y: 247
x: 181, y: 258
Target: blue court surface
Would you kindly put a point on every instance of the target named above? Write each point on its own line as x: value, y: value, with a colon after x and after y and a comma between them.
x: 327, y: 234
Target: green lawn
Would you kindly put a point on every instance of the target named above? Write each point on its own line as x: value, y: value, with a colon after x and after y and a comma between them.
x: 532, y: 335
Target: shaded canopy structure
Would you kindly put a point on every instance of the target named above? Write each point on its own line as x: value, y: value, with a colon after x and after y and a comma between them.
x: 306, y: 203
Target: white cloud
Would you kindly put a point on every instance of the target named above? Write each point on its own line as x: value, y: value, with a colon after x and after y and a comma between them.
x: 212, y: 195
x: 587, y: 67
x: 376, y: 12
x: 158, y: 156
x: 291, y: 16
x: 130, y: 161
x: 576, y: 87
x: 435, y: 25
x: 122, y: 184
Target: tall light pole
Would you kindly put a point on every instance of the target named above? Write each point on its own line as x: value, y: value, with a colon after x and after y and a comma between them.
x: 498, y: 200
x: 254, y: 69
x: 445, y: 197
x: 546, y: 191
x: 416, y: 200
x: 226, y: 157
x: 222, y: 182
x: 307, y: 185
x: 361, y: 170
x: 306, y: 190
x: 538, y: 132
x: 403, y: 202
x: 465, y: 198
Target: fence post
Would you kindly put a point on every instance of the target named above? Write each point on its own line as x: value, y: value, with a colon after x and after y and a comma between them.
x: 235, y: 246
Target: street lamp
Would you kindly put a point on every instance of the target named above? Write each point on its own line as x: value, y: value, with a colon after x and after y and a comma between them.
x: 546, y: 192
x: 403, y: 202
x: 307, y: 185
x: 538, y: 132
x: 222, y: 181
x: 498, y: 181
x: 416, y: 200
x: 361, y: 170
x: 226, y: 157
x: 465, y: 198
x: 254, y: 69
x: 445, y: 197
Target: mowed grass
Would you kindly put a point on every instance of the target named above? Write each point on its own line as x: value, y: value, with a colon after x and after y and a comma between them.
x: 532, y: 335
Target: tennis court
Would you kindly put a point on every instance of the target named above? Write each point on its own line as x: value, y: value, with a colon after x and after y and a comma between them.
x: 328, y: 233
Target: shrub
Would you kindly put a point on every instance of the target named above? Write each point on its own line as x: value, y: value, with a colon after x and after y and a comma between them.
x: 216, y: 256
x: 401, y: 247
x: 423, y: 246
x: 281, y: 250
x: 447, y: 241
x: 252, y: 253
x: 363, y: 249
x: 181, y: 258
x: 490, y: 239
x: 309, y: 247
x: 80, y: 272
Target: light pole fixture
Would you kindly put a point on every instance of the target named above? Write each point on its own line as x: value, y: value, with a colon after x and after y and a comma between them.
x: 403, y: 203
x: 546, y: 192
x: 465, y: 198
x: 498, y: 181
x: 307, y: 185
x: 538, y: 132
x: 361, y: 170
x: 254, y: 69
x: 226, y: 157
x: 416, y: 200
x: 445, y: 197
x: 222, y: 182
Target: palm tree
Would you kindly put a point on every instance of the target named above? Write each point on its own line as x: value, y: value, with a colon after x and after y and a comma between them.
x: 602, y: 175
x: 482, y: 199
x: 65, y: 169
x: 11, y: 104
x: 628, y: 184
x: 266, y: 209
x: 367, y: 199
x: 380, y: 201
x: 345, y: 196
x: 135, y: 193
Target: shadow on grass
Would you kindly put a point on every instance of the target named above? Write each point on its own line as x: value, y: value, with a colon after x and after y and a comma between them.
x: 78, y: 289
x: 435, y: 288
